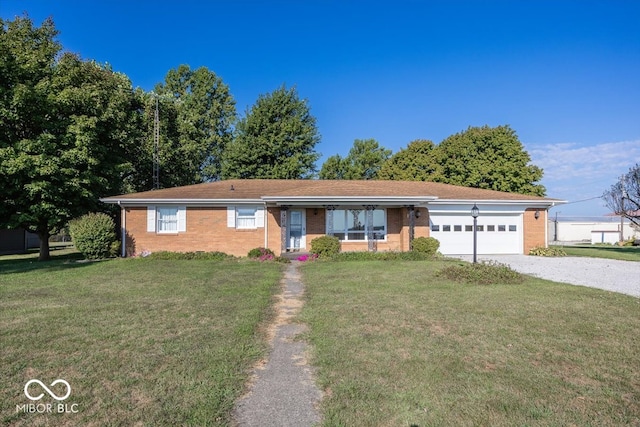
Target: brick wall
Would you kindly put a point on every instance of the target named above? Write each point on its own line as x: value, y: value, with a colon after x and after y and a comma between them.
x: 207, y: 231
x: 534, y: 229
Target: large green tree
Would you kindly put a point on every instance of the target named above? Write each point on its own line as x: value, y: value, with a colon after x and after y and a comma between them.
x: 276, y: 139
x: 491, y: 158
x: 196, y: 114
x: 364, y: 161
x: 416, y: 162
x: 64, y: 127
x: 623, y: 198
x: 480, y: 157
x: 205, y: 112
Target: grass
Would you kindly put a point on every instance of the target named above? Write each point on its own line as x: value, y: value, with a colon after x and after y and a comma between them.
x: 396, y: 344
x: 624, y: 253
x: 141, y: 342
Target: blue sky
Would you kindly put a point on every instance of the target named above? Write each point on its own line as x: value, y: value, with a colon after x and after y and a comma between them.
x: 565, y: 75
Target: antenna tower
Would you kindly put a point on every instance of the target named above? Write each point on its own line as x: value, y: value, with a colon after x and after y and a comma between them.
x: 156, y: 148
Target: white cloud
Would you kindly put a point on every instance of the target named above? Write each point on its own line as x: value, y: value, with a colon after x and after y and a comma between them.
x: 594, y: 163
x: 574, y: 172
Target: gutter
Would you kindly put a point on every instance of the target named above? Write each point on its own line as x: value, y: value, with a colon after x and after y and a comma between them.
x: 189, y: 202
x: 348, y: 200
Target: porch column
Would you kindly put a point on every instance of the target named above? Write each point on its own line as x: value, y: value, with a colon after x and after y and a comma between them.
x: 330, y: 209
x: 283, y: 228
x: 412, y: 225
x: 372, y: 244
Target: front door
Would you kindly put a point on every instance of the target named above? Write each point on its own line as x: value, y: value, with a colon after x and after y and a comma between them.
x: 297, y: 230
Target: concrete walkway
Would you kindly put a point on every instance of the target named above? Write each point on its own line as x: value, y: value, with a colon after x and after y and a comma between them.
x: 283, y: 392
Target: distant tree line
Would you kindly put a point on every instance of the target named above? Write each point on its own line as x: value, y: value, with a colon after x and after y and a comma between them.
x: 74, y: 130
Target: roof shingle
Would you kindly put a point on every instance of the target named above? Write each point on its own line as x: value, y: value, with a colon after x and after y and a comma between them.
x: 254, y: 189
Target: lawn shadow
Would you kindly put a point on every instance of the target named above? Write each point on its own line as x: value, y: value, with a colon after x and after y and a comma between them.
x: 60, y: 260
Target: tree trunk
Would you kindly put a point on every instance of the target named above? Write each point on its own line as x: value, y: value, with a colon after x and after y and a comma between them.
x: 44, y: 247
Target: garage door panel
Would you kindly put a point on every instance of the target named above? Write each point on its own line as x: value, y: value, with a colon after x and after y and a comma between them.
x: 497, y: 234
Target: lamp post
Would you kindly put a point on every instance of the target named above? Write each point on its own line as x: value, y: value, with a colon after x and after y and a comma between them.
x: 474, y: 213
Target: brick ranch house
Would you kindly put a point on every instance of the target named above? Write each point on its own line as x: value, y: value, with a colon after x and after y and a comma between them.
x: 236, y: 216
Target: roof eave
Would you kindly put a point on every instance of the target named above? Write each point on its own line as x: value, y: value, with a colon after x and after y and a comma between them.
x: 190, y: 202
x: 528, y: 202
x: 347, y: 200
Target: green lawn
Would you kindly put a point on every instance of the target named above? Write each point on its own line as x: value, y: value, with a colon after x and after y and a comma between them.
x: 141, y: 342
x: 396, y: 345
x: 625, y: 253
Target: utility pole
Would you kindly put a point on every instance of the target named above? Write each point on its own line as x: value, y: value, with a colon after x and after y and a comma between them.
x: 156, y: 147
x: 623, y: 193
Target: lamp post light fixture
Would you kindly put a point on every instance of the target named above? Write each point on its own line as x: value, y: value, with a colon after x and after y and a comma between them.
x: 474, y: 213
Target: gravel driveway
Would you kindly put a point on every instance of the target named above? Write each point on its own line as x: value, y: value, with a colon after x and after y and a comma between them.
x: 609, y: 274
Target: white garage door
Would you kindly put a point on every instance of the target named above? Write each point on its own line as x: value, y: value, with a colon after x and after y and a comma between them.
x: 497, y: 234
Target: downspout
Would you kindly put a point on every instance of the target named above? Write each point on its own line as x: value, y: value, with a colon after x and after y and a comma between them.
x: 123, y: 230
x: 266, y: 226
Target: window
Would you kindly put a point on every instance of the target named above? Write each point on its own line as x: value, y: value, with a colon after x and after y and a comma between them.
x: 502, y: 228
x: 457, y: 228
x: 468, y: 228
x: 512, y: 228
x: 480, y: 228
x: 435, y: 228
x: 491, y: 228
x: 167, y: 220
x: 446, y: 228
x: 246, y: 217
x: 351, y: 224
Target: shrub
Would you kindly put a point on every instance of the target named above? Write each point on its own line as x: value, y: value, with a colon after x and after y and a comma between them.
x: 260, y: 253
x: 426, y: 245
x: 542, y: 251
x: 485, y: 273
x: 380, y: 256
x: 207, y: 256
x: 94, y: 235
x: 325, y: 246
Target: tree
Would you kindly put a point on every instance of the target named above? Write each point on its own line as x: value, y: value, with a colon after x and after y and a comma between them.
x: 364, y: 161
x: 276, y: 139
x: 64, y: 131
x: 491, y: 158
x: 623, y: 197
x: 416, y: 162
x: 196, y: 115
x: 480, y: 157
x: 204, y: 112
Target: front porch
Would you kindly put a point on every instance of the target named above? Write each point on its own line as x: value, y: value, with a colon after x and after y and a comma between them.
x: 359, y: 228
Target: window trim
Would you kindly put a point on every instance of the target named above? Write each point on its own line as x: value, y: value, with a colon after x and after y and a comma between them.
x: 162, y: 221
x: 154, y: 219
x: 258, y: 215
x: 253, y: 216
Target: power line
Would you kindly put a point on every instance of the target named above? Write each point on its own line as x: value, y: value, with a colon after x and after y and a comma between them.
x: 583, y: 200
